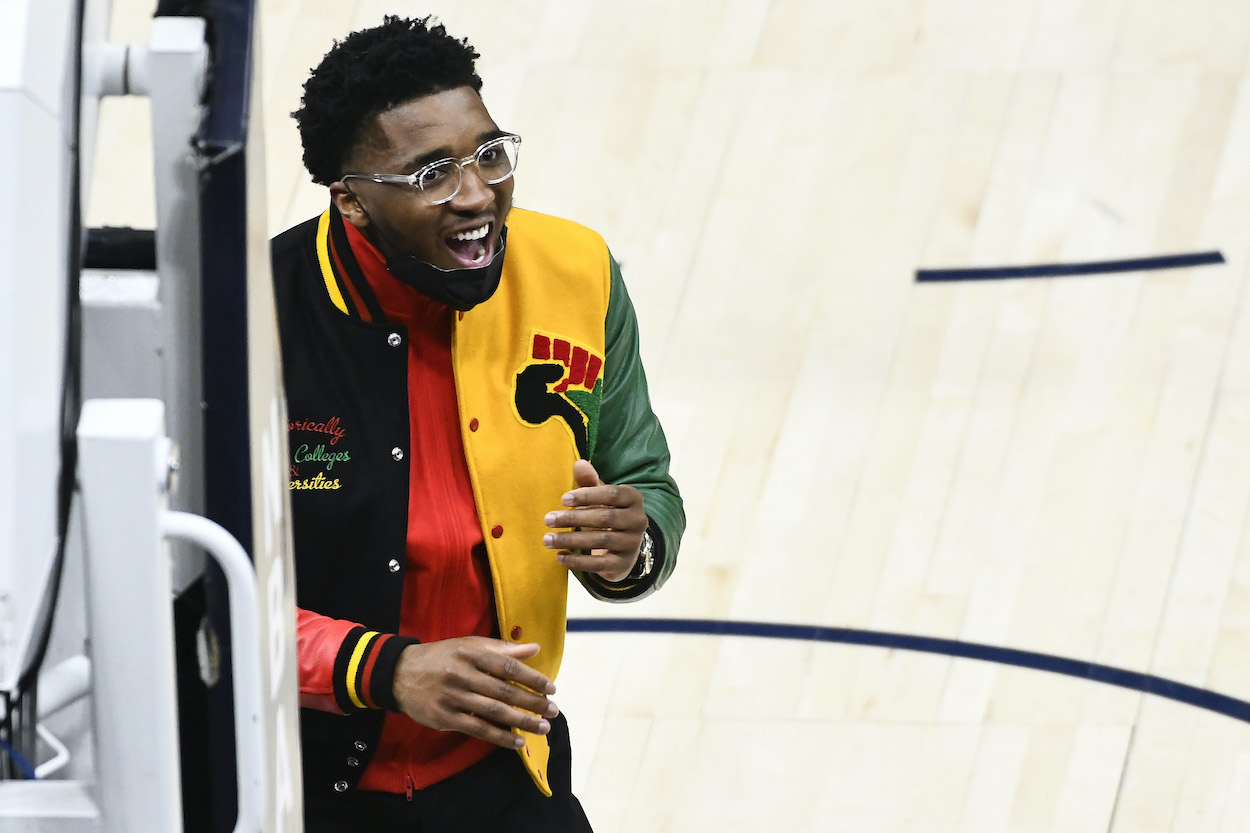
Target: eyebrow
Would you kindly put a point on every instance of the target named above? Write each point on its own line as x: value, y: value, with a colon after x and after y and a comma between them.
x: 418, y: 162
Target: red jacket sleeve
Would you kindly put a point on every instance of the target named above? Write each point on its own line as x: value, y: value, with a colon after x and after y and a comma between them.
x: 344, y: 667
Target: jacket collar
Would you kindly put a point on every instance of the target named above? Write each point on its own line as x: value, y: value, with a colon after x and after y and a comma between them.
x: 356, y: 279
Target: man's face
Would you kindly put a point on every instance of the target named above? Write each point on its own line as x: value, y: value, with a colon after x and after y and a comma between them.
x: 397, y: 218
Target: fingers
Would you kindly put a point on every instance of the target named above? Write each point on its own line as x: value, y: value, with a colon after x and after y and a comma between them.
x: 592, y: 491
x: 630, y: 518
x: 495, y: 701
x: 622, y: 541
x: 477, y: 686
x: 607, y: 528
x: 477, y: 727
x: 598, y: 518
x: 504, y: 663
x: 502, y: 694
x: 609, y: 553
x: 584, y: 474
x: 494, y: 718
x: 602, y: 529
x: 602, y: 494
x: 609, y: 566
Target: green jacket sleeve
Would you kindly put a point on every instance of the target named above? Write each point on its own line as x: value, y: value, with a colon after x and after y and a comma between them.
x: 631, y: 449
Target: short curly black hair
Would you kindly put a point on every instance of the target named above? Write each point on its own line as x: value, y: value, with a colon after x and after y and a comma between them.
x: 368, y: 73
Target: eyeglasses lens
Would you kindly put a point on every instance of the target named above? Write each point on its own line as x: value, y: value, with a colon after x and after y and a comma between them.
x: 440, y: 183
x: 496, y: 160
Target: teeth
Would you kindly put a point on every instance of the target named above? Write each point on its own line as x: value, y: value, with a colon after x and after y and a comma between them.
x: 472, y: 235
x: 481, y: 254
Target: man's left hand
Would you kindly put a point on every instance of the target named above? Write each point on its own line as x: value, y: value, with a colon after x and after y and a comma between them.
x: 610, y: 520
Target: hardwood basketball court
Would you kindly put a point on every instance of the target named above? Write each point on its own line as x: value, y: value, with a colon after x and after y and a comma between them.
x: 1056, y: 465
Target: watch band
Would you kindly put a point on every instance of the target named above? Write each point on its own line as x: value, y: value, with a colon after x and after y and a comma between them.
x: 646, y: 558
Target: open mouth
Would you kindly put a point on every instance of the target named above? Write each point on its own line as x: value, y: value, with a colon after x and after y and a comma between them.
x: 472, y: 248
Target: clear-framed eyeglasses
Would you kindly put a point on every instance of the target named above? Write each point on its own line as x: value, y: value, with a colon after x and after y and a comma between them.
x: 440, y: 181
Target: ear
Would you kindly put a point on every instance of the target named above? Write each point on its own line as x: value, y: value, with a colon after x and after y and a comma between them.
x: 347, y: 204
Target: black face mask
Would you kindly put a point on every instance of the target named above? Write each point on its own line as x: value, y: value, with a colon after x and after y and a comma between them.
x: 460, y: 289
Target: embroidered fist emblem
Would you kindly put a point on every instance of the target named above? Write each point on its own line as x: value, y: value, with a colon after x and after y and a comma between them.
x: 561, y: 380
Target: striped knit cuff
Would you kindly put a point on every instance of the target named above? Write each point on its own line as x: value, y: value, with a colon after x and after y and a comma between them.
x: 364, y: 670
x: 382, y: 681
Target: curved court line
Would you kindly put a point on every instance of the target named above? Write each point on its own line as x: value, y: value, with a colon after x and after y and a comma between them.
x: 1145, y: 683
x: 1055, y: 270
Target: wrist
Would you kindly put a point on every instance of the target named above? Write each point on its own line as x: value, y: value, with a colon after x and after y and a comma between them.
x: 628, y: 587
x: 644, y: 563
x: 382, y: 676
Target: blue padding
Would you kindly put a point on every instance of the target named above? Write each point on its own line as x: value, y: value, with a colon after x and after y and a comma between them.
x: 1146, y: 683
x: 1057, y: 270
x: 23, y: 765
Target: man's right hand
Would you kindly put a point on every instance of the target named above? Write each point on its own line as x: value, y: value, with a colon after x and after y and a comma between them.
x: 475, y: 685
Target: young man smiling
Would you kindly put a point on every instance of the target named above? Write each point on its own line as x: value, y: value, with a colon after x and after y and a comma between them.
x: 493, y: 433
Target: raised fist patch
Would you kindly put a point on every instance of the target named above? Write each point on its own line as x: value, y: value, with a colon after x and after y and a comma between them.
x: 561, y: 379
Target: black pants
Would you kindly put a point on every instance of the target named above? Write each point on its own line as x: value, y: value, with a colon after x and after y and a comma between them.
x: 495, y: 794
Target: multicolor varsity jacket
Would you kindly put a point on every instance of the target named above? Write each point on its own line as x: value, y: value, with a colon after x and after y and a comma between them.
x: 547, y: 372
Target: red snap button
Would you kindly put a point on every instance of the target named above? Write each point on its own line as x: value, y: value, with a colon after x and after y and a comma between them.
x: 516, y: 632
x: 473, y: 424
x: 496, y: 531
x: 460, y: 316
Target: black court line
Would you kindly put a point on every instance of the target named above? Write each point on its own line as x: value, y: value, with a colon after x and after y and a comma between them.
x: 1057, y: 270
x: 1145, y: 683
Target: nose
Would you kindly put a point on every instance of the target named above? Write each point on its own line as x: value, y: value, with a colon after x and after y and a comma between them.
x: 474, y: 193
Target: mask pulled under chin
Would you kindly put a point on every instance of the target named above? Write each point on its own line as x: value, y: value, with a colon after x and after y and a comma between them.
x: 460, y: 289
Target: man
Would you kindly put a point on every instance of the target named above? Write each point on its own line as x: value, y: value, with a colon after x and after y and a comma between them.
x: 469, y: 422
